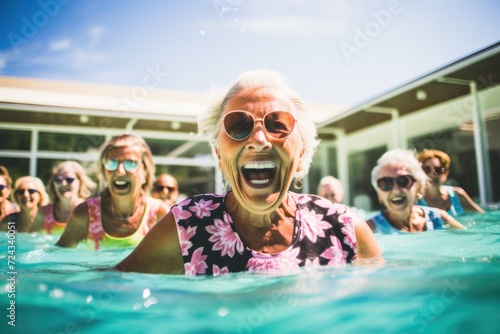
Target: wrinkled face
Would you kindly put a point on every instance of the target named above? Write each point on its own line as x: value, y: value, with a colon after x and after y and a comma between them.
x: 165, y: 188
x: 398, y: 198
x: 4, y: 189
x: 331, y: 193
x: 120, y: 181
x: 66, y: 183
x: 261, y: 167
x: 435, y: 171
x: 27, y: 195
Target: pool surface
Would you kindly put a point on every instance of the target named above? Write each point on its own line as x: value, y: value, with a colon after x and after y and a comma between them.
x: 433, y: 282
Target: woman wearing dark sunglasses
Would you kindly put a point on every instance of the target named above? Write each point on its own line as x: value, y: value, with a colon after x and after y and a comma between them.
x: 263, y: 138
x: 122, y: 214
x: 8, y: 210
x: 455, y: 200
x: 67, y: 187
x: 30, y: 195
x: 399, y: 180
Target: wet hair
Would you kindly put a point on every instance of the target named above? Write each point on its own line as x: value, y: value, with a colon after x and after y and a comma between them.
x: 125, y: 140
x: 443, y: 158
x: 44, y: 197
x: 210, y: 122
x: 86, y: 184
x: 401, y: 158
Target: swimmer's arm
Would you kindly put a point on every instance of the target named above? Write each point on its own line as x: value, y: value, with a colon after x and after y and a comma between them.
x: 467, y: 203
x: 77, y: 227
x: 368, y: 247
x: 448, y: 219
x: 158, y: 253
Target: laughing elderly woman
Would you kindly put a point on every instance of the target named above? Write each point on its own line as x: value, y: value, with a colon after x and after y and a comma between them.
x: 399, y: 181
x: 263, y: 138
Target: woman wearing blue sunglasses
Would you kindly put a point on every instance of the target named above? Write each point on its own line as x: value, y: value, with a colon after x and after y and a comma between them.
x: 263, y: 138
x: 399, y: 181
x: 122, y: 214
x: 67, y: 187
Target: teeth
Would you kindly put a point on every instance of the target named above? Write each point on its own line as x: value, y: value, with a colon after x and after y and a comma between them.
x: 120, y: 182
x: 259, y: 181
x: 263, y: 165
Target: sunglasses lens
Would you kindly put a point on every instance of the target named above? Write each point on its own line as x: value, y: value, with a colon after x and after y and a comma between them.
x: 385, y: 183
x: 436, y: 170
x: 405, y: 181
x: 279, y: 124
x: 238, y: 125
x: 110, y: 164
x: 69, y: 180
x: 2, y: 187
x: 131, y: 165
x: 21, y: 191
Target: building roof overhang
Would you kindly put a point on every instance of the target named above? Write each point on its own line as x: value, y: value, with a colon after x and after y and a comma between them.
x: 482, y: 67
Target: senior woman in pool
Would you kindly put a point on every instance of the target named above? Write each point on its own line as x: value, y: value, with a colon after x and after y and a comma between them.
x: 263, y: 137
x: 399, y: 181
x: 122, y: 214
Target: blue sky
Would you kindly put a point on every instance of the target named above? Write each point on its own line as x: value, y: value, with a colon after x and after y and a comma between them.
x: 332, y: 51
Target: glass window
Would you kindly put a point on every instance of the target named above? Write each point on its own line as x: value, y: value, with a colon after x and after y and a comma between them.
x: 161, y: 147
x: 360, y: 170
x: 17, y: 167
x: 65, y: 142
x: 15, y: 140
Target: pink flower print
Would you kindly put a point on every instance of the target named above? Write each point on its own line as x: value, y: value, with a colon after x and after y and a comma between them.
x: 202, y: 208
x: 185, y: 202
x: 334, y: 253
x: 283, y: 261
x: 348, y: 231
x: 197, y: 264
x: 219, y: 271
x: 314, y: 225
x: 180, y: 214
x: 224, y: 239
x: 332, y: 207
x: 345, y: 219
x: 185, y: 235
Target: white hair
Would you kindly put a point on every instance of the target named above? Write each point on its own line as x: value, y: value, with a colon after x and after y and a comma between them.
x: 403, y: 158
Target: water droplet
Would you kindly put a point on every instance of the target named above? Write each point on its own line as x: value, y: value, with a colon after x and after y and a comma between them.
x: 222, y: 312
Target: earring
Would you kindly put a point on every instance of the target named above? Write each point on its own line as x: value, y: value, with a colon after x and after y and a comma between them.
x: 298, y: 183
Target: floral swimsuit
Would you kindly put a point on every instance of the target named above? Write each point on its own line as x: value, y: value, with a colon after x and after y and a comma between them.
x: 97, y: 237
x: 324, y: 235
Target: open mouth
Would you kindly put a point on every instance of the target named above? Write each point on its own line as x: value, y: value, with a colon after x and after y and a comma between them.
x: 398, y: 200
x: 121, y: 184
x: 259, y: 173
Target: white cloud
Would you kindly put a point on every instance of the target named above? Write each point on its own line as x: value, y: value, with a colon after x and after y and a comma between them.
x: 61, y: 44
x: 95, y: 33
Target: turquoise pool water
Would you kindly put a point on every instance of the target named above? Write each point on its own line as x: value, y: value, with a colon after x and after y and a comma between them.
x: 435, y: 282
